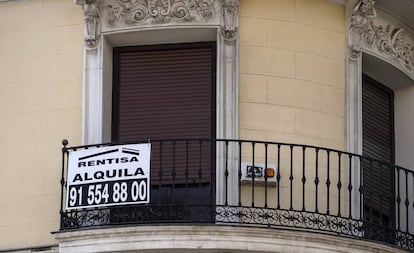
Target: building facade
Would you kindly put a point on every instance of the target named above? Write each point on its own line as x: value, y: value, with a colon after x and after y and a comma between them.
x: 275, y: 125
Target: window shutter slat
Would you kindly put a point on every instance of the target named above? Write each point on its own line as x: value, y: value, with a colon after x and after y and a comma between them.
x: 378, y: 143
x: 166, y: 92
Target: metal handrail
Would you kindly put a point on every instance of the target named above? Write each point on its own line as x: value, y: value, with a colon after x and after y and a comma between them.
x: 267, y: 184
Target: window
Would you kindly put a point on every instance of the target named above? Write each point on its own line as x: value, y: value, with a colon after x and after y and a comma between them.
x: 378, y: 143
x: 167, y: 92
x: 379, y: 110
x: 111, y: 31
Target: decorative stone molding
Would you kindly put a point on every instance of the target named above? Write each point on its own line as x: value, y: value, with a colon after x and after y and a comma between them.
x: 392, y: 42
x: 211, y: 239
x: 132, y: 12
x: 91, y: 11
x: 388, y: 41
x: 115, y: 23
x: 362, y: 14
x: 118, y: 23
x: 101, y: 16
x: 91, y: 22
x: 377, y: 34
x: 229, y: 27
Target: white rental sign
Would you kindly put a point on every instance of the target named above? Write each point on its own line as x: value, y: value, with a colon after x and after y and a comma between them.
x: 107, y: 176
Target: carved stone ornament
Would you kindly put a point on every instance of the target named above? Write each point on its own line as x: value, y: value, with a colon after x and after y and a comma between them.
x: 130, y: 12
x: 389, y: 41
x: 229, y: 28
x: 362, y: 14
x: 91, y: 22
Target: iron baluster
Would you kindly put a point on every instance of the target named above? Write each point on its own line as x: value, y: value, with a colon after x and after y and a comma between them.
x: 278, y: 177
x: 291, y: 177
x: 303, y: 177
x: 398, y: 199
x: 339, y: 185
x: 62, y: 180
x: 240, y: 172
x: 369, y: 193
x: 381, y: 195
x: 160, y: 173
x: 174, y: 173
x: 361, y: 189
x: 253, y: 172
x: 350, y: 186
x: 213, y: 173
x: 226, y: 174
x: 316, y: 178
x: 407, y: 202
x: 413, y: 189
x: 265, y: 175
x: 328, y: 181
x: 200, y: 170
x: 186, y: 172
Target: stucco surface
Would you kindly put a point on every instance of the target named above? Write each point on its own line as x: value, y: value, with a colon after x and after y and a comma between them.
x: 292, y: 71
x: 40, y: 104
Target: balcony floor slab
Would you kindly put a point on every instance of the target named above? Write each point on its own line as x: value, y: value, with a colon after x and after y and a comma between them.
x: 210, y: 239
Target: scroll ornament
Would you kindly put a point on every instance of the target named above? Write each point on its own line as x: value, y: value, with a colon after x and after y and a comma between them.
x: 130, y: 12
x: 389, y: 41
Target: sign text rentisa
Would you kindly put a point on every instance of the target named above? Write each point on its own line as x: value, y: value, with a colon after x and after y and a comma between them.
x: 106, y: 176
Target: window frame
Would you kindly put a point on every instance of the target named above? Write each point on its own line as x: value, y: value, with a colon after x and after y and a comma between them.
x: 97, y: 70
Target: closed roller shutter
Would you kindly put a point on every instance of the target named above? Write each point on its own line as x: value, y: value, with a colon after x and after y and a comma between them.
x: 164, y: 92
x: 378, y: 143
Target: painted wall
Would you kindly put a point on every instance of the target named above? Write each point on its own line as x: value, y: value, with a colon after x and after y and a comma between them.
x: 292, y: 89
x: 404, y: 120
x: 292, y: 71
x: 41, y: 61
x: 404, y: 143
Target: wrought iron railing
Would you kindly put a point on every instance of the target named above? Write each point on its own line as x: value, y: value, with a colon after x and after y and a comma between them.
x: 265, y: 184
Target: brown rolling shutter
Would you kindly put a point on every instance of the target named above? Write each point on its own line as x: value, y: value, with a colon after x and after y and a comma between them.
x: 378, y: 143
x: 164, y: 92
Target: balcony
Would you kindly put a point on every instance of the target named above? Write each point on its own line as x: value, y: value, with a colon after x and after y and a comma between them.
x: 263, y: 184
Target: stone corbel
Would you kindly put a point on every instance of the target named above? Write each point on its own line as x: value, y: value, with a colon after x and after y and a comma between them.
x: 360, y: 22
x: 229, y: 24
x: 91, y: 22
